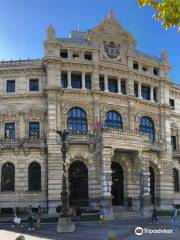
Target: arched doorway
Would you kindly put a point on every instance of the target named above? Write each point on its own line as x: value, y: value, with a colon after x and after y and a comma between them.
x: 117, y: 188
x: 152, y: 184
x: 78, y: 184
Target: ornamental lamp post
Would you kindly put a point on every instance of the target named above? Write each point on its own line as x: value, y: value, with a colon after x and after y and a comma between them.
x: 65, y: 223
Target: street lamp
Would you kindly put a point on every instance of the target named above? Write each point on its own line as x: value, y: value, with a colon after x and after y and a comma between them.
x: 65, y: 223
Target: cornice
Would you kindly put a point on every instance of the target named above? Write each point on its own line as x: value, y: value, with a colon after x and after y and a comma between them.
x: 23, y: 96
x: 21, y: 70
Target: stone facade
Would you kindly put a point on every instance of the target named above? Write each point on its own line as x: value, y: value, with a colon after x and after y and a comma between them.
x: 107, y: 51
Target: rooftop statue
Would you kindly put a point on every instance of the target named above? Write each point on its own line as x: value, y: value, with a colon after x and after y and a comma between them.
x: 50, y: 33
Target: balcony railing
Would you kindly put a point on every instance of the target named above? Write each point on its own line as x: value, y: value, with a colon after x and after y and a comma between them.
x: 125, y: 132
x: 22, y: 142
x: 81, y: 137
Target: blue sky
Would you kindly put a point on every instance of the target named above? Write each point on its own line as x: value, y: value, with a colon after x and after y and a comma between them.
x: 23, y: 26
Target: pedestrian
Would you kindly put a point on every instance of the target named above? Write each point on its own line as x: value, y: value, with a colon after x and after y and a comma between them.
x: 102, y: 215
x: 39, y: 216
x: 154, y: 216
x: 16, y: 219
x: 129, y: 200
x: 174, y: 217
x: 30, y: 219
x: 72, y: 213
x: 78, y: 215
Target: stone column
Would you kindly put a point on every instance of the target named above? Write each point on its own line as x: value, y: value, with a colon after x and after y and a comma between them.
x: 119, y: 85
x: 58, y: 76
x: 151, y: 93
x: 106, y: 179
x: 22, y: 128
x: 139, y: 90
x: 69, y: 79
x: 130, y: 86
x: 51, y: 74
x: 54, y: 156
x: 83, y: 80
x: 145, y: 199
x: 106, y: 83
x: 95, y: 78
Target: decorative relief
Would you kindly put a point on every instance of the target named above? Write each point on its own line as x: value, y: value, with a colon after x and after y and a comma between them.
x: 112, y: 50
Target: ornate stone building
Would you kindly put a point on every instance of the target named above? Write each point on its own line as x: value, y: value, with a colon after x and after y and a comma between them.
x: 123, y: 114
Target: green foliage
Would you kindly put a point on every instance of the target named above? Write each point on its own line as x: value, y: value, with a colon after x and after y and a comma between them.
x: 168, y: 11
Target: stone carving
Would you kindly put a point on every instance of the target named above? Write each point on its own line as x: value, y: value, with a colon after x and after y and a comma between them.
x: 50, y: 33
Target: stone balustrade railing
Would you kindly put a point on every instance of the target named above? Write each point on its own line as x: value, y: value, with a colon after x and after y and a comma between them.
x: 125, y: 132
x: 20, y: 62
x: 21, y: 142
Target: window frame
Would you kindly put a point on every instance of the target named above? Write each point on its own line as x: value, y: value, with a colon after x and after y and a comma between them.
x: 34, y: 88
x: 112, y: 121
x: 14, y: 87
x: 144, y: 128
x: 13, y: 129
x: 38, y: 135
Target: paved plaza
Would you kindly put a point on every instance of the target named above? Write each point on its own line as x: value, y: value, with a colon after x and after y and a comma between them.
x: 125, y: 229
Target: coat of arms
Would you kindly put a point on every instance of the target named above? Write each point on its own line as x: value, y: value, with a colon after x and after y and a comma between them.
x: 112, y: 49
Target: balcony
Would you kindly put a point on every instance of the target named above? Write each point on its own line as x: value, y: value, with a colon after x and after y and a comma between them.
x: 81, y: 138
x: 128, y: 140
x: 22, y: 143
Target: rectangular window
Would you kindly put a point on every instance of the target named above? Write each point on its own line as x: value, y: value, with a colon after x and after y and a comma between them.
x: 34, y: 85
x: 88, y: 81
x: 112, y: 85
x: 10, y: 86
x: 88, y: 56
x: 171, y: 103
x: 64, y: 80
x: 173, y: 143
x: 76, y: 81
x: 156, y: 71
x: 145, y: 92
x: 9, y: 131
x: 101, y: 83
x: 135, y: 65
x: 123, y: 87
x: 136, y: 89
x: 64, y: 53
x: 34, y: 130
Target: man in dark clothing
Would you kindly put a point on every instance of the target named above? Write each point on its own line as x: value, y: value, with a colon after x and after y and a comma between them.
x: 154, y: 216
x: 78, y: 215
x: 129, y: 203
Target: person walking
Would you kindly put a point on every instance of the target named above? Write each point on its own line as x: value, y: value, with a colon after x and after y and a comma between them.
x: 16, y: 219
x: 30, y: 218
x: 78, y: 215
x: 154, y: 216
x: 102, y: 215
x: 39, y: 216
x: 129, y: 200
x: 174, y: 217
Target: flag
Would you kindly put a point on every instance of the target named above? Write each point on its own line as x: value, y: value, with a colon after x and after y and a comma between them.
x: 98, y: 123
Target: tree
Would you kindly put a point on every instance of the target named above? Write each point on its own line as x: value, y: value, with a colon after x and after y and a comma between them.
x: 168, y: 11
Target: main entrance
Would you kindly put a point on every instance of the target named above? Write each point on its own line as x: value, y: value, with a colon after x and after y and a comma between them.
x: 78, y: 184
x: 117, y: 188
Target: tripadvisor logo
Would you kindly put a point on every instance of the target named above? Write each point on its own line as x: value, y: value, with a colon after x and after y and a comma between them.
x: 139, y: 231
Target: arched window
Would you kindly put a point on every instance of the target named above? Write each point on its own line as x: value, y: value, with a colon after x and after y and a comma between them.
x: 113, y: 120
x: 8, y: 177
x: 77, y: 120
x: 34, y: 177
x: 176, y: 180
x: 147, y: 126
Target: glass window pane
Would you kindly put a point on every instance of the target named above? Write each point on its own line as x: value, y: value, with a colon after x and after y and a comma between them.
x: 113, y: 120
